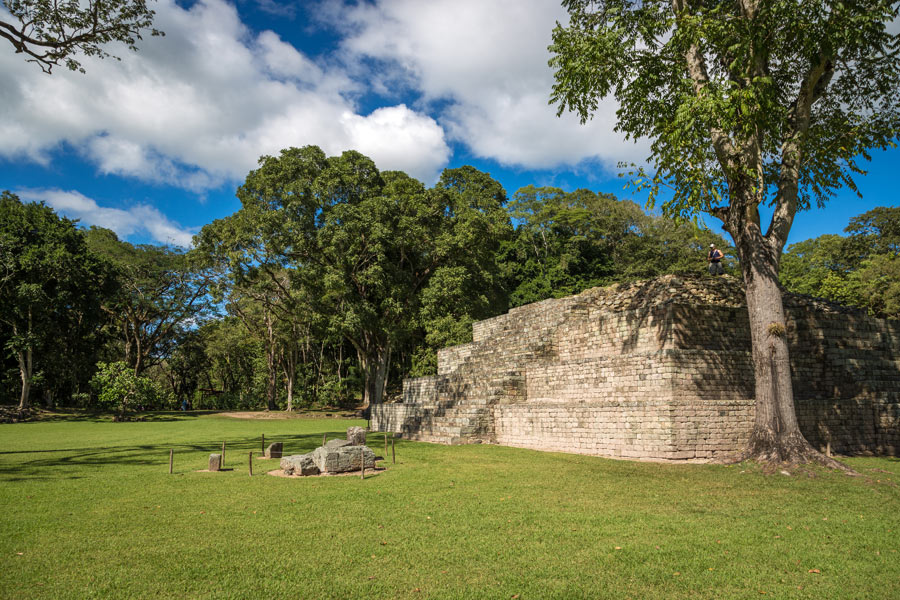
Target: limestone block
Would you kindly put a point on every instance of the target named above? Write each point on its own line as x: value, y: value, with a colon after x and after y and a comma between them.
x: 356, y: 436
x: 215, y: 462
x: 299, y: 464
x: 274, y: 450
x: 336, y: 443
x: 342, y: 459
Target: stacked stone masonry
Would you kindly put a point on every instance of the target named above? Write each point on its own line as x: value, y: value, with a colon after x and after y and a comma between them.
x: 659, y: 369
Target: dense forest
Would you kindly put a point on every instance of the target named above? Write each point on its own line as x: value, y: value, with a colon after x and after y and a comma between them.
x: 335, y: 280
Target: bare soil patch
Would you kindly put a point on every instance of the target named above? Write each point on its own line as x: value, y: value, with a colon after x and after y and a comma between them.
x: 273, y: 415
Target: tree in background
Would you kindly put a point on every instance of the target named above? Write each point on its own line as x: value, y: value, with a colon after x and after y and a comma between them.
x: 161, y: 293
x: 51, y: 287
x: 468, y: 285
x: 565, y: 243
x: 49, y: 32
x: 251, y: 253
x: 862, y: 269
x: 120, y: 390
x: 232, y: 355
x: 746, y: 103
x: 371, y: 255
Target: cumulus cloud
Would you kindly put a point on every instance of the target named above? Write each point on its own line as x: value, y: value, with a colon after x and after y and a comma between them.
x: 486, y: 62
x: 139, y: 219
x: 198, y: 107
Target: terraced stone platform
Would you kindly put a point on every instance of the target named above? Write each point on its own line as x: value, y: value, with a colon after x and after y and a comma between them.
x: 659, y: 369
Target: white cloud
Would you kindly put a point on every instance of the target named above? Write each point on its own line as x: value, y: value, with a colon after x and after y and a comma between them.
x: 199, y: 106
x: 139, y: 219
x: 489, y: 60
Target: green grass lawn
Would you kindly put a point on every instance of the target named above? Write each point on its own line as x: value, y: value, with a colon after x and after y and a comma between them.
x: 89, y: 510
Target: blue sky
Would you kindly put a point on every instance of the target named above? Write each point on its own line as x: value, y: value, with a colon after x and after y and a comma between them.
x: 154, y: 146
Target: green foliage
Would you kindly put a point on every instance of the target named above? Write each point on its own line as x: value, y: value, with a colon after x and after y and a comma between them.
x: 51, y: 287
x: 355, y: 254
x: 49, y: 32
x: 161, y: 293
x: 862, y: 269
x: 565, y: 243
x: 737, y: 97
x: 119, y: 389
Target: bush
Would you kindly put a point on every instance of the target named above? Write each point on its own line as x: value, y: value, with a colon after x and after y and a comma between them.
x: 118, y: 388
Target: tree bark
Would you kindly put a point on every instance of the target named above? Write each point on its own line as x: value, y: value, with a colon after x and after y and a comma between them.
x: 373, y: 359
x: 776, y: 435
x: 25, y: 364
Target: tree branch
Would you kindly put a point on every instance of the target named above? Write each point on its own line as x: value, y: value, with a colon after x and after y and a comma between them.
x: 813, y: 88
x: 700, y: 77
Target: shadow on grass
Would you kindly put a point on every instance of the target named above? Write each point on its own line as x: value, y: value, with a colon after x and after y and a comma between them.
x: 75, y: 463
x: 84, y: 416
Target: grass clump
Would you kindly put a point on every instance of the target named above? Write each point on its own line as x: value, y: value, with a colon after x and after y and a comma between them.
x: 89, y: 509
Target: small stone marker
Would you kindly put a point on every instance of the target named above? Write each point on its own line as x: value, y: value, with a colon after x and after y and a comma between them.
x: 275, y: 450
x: 356, y: 436
x: 215, y: 462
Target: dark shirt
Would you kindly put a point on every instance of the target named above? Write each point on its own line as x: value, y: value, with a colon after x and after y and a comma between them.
x: 715, y: 255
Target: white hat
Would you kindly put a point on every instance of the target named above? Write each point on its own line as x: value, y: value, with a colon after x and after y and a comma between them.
x: 712, y: 245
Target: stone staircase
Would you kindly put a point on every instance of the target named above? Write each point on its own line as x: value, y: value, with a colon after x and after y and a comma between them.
x: 456, y: 406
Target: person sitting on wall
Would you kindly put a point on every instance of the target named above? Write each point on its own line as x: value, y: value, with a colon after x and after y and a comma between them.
x: 714, y: 258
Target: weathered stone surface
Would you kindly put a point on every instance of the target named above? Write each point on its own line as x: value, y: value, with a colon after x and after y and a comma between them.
x: 274, y: 450
x: 215, y: 462
x: 654, y: 369
x: 342, y: 459
x: 337, y: 443
x: 356, y: 436
x: 299, y: 464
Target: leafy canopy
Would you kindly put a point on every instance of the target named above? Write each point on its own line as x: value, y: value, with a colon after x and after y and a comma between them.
x: 737, y: 97
x: 50, y: 32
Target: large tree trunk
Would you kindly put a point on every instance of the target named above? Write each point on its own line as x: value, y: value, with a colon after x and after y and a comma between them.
x: 776, y: 435
x: 271, y: 358
x: 289, y: 368
x: 373, y: 359
x: 25, y: 364
x: 271, y: 378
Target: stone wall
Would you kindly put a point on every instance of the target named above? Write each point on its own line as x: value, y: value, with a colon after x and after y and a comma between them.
x: 658, y: 369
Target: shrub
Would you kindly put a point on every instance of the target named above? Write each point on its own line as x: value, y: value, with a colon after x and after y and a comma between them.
x: 118, y: 388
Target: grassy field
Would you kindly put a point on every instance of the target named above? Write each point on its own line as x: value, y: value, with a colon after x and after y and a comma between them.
x: 89, y: 510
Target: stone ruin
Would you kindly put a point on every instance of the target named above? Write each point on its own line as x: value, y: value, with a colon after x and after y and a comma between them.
x: 659, y: 369
x: 336, y: 456
x: 274, y: 450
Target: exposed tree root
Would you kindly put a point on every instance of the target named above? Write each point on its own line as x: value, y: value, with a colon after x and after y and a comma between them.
x: 790, y: 450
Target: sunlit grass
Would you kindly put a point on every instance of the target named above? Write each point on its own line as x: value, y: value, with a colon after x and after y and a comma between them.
x: 89, y: 509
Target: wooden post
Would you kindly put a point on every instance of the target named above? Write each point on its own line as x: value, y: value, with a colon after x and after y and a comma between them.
x: 222, y: 466
x: 251, y: 463
x: 262, y: 447
x: 393, y: 452
x: 324, y: 438
x: 385, y: 446
x: 828, y: 449
x: 171, y: 459
x: 362, y: 464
